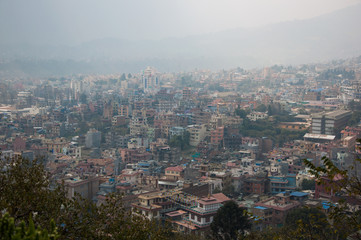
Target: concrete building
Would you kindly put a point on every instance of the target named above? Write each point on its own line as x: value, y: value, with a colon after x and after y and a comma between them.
x: 87, y: 187
x: 187, y: 93
x: 254, y: 116
x: 150, y: 79
x: 197, y: 134
x: 154, y: 205
x: 217, y: 135
x: 330, y: 123
x: 93, y: 138
x: 176, y: 131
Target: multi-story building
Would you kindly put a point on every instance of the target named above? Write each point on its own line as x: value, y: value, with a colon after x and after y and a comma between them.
x: 150, y: 79
x: 56, y: 145
x: 330, y: 123
x: 281, y: 184
x: 138, y: 126
x: 197, y: 134
x: 93, y: 138
x: 87, y: 188
x: 187, y: 93
x: 258, y: 184
x: 273, y: 211
x: 171, y: 177
x: 200, y: 217
x: 154, y: 205
x: 217, y: 135
x: 254, y: 116
x: 176, y: 131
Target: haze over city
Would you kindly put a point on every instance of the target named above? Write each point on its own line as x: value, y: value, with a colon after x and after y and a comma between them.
x: 74, y: 22
x: 177, y: 35
x: 180, y: 119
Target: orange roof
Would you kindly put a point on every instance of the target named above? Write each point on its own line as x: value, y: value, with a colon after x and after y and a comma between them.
x: 187, y: 225
x: 221, y: 197
x: 175, y: 169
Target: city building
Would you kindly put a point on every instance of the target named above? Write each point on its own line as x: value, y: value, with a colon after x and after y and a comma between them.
x: 330, y: 123
x: 92, y: 138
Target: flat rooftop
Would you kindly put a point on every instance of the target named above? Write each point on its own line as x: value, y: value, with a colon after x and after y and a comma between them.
x: 320, y: 136
x: 332, y: 115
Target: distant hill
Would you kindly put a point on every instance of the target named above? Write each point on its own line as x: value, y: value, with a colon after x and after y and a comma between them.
x: 331, y: 36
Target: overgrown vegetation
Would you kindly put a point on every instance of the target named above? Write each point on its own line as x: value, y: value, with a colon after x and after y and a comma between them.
x: 26, y: 191
x: 180, y: 141
x: 9, y: 231
x: 230, y: 222
x: 265, y: 128
x: 26, y: 194
x: 308, y: 184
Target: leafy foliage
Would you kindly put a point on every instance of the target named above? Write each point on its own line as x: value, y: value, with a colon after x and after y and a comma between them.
x: 308, y: 184
x: 241, y: 113
x: 338, y: 73
x: 9, y: 231
x: 310, y: 217
x: 347, y: 185
x: 25, y: 191
x: 181, y: 142
x: 230, y: 222
x: 265, y: 128
x: 24, y: 187
x: 261, y: 108
x: 341, y: 222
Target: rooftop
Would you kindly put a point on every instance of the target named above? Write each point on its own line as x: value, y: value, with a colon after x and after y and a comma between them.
x: 332, y: 115
x: 319, y: 136
x: 260, y: 207
x: 175, y: 169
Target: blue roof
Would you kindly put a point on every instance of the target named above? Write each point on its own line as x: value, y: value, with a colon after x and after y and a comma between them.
x: 143, y: 164
x: 299, y: 194
x: 262, y: 208
x: 317, y: 90
x: 327, y: 205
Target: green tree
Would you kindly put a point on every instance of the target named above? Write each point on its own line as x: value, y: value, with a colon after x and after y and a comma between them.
x: 261, y: 108
x: 311, y: 218
x: 25, y: 191
x: 308, y: 184
x: 347, y: 187
x: 230, y: 222
x: 181, y: 142
x: 241, y: 113
x: 83, y: 218
x: 9, y: 231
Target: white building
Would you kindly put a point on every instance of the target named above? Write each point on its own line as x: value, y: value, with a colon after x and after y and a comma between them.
x: 254, y: 116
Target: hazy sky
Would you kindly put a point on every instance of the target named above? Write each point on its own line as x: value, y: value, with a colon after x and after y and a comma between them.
x: 76, y: 21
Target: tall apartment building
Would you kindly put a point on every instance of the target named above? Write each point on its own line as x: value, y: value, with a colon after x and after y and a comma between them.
x: 197, y: 134
x: 93, y: 138
x: 87, y: 187
x: 330, y: 123
x: 150, y: 79
x: 187, y: 93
